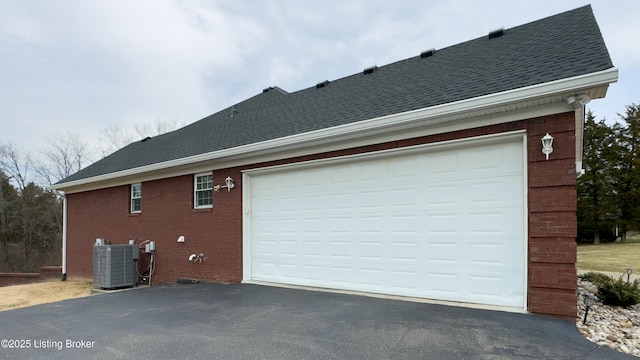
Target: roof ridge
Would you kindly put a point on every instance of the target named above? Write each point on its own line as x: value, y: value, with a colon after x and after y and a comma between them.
x: 534, y: 53
x: 418, y: 56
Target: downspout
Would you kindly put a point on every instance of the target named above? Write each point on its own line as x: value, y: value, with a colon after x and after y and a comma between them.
x: 579, y: 118
x: 64, y: 237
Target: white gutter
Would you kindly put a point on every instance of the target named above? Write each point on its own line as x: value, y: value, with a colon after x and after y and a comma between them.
x: 445, y: 112
x: 64, y: 237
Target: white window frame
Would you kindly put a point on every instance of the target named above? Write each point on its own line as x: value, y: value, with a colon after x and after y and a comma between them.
x: 196, y: 190
x: 136, y: 195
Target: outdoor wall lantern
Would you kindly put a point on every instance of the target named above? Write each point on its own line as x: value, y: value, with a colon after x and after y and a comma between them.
x: 229, y: 184
x: 547, y: 142
x: 589, y: 301
x: 629, y: 271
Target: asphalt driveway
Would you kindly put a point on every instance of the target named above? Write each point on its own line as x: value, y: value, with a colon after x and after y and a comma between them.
x: 210, y: 321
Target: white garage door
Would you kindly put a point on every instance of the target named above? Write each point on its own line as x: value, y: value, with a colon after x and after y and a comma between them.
x: 438, y: 222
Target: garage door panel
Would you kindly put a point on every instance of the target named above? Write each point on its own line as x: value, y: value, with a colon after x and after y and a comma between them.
x: 370, y: 250
x: 370, y: 172
x: 339, y: 176
x: 341, y: 201
x: 442, y: 225
x: 488, y: 159
x: 441, y: 195
x: 491, y: 256
x: 444, y: 285
x: 490, y: 192
x: 404, y: 198
x: 442, y: 253
x: 442, y: 164
x: 405, y: 169
x: 492, y: 288
x: 370, y: 200
x: 404, y: 282
x: 405, y: 253
x: 497, y: 223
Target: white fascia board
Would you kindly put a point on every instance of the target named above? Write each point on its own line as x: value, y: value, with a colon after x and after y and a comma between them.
x: 453, y: 111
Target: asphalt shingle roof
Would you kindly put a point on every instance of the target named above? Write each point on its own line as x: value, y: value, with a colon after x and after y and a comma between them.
x: 558, y: 47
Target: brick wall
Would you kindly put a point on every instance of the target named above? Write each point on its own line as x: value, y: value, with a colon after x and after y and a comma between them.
x: 552, y: 218
x: 167, y: 212
x: 46, y: 273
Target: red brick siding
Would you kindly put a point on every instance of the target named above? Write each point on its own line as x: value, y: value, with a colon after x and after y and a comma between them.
x: 552, y: 250
x: 552, y: 218
x: 560, y: 303
x: 167, y: 212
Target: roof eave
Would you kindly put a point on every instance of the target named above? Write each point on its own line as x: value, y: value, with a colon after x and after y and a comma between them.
x: 593, y: 85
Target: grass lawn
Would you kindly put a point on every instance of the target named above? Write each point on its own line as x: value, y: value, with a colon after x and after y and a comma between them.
x: 614, y: 257
x: 17, y: 296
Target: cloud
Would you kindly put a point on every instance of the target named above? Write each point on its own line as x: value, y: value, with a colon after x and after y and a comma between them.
x: 120, y: 62
x: 85, y: 65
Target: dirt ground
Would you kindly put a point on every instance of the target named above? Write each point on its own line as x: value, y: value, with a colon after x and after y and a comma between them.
x: 18, y: 296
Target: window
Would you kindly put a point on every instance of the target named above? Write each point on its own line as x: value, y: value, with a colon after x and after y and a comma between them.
x: 136, y: 198
x: 203, y: 191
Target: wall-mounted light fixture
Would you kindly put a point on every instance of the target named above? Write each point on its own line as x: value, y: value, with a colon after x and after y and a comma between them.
x: 547, y: 145
x: 197, y: 258
x: 229, y: 184
x: 578, y: 102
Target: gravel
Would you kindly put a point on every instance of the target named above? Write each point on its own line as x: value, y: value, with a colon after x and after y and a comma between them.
x: 615, y: 327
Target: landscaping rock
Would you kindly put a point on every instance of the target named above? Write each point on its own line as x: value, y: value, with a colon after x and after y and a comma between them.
x: 611, y: 326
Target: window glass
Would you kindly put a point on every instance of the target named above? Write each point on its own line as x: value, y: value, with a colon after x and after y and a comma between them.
x: 203, y: 195
x: 136, y: 198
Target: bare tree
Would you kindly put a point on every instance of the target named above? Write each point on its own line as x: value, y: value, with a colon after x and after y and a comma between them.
x: 40, y: 218
x: 16, y: 165
x: 5, y: 226
x: 30, y: 216
x: 64, y: 155
x: 143, y: 130
x: 115, y: 137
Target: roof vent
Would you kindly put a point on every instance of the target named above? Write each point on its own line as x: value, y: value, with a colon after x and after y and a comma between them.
x: 145, y: 139
x: 370, y: 70
x: 233, y: 110
x: 267, y: 89
x: 322, y: 84
x: 428, y: 53
x: 496, y: 33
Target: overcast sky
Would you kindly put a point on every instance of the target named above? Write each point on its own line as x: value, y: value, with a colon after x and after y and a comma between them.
x: 80, y: 66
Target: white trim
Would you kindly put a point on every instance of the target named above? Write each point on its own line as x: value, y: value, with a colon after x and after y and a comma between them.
x: 64, y: 236
x: 580, y: 120
x: 195, y: 190
x: 314, y: 148
x: 520, y: 135
x: 438, y: 146
x: 593, y: 84
x: 133, y: 198
x: 525, y: 219
x: 247, y: 237
x: 510, y: 309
